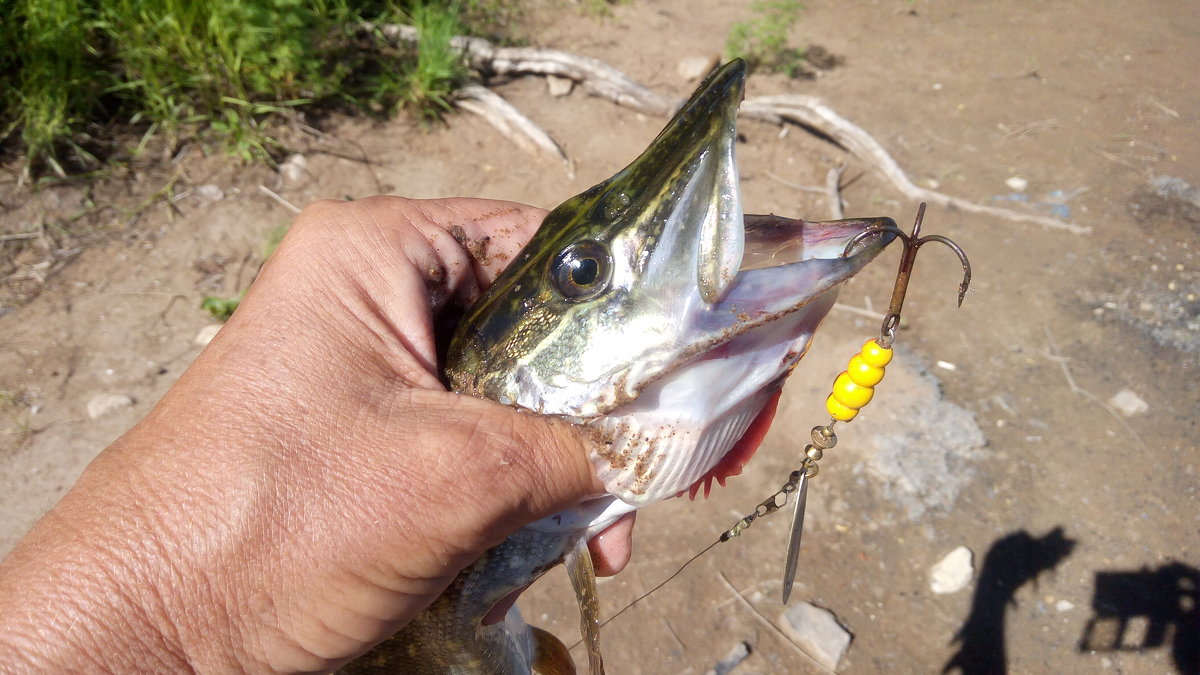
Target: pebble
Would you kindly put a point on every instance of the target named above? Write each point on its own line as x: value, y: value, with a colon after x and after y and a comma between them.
x: 559, y: 86
x: 293, y: 168
x: 818, y: 632
x: 210, y: 192
x: 103, y: 404
x: 1017, y: 184
x: 1128, y: 403
x: 207, y: 334
x: 696, y: 67
x: 1064, y: 605
x: 734, y: 658
x: 952, y: 573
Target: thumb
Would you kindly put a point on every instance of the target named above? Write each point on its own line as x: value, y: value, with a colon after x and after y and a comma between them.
x: 513, y: 467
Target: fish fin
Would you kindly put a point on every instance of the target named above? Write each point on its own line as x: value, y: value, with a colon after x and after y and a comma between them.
x: 550, y: 656
x: 583, y: 580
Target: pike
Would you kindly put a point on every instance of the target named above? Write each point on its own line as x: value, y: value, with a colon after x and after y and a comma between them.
x: 655, y: 316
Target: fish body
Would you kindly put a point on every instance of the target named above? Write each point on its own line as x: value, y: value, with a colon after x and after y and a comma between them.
x: 656, y: 316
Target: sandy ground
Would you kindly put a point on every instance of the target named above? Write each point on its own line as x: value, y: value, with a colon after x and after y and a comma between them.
x: 991, y: 432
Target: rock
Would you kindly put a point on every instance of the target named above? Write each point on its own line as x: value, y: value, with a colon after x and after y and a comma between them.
x: 207, y: 334
x: 293, y: 168
x: 1017, y: 184
x: 210, y: 192
x: 1128, y: 403
x: 696, y: 67
x: 734, y: 658
x: 103, y: 404
x: 559, y: 86
x: 818, y: 632
x: 1064, y: 605
x: 952, y: 573
x: 1174, y: 196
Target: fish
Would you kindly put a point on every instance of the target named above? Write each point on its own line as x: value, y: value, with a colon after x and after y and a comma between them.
x: 661, y: 320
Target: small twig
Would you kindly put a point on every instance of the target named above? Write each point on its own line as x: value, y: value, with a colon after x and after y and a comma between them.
x: 816, y: 189
x: 859, y: 311
x: 22, y: 235
x: 274, y: 195
x: 675, y: 635
x: 1076, y: 389
x: 774, y: 629
x: 833, y: 180
x: 1164, y: 108
x: 509, y: 121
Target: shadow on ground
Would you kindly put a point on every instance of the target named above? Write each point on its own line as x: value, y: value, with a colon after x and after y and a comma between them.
x: 1013, y: 561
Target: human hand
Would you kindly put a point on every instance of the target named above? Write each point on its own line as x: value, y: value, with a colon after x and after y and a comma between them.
x: 308, y: 485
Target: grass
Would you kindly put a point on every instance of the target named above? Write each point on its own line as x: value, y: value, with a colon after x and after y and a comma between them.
x: 763, y: 39
x: 73, y: 70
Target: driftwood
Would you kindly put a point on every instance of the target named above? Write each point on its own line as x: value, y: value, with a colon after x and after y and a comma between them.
x: 605, y: 81
x: 508, y: 120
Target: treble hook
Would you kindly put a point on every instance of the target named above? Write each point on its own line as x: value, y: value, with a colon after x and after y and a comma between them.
x: 912, y: 242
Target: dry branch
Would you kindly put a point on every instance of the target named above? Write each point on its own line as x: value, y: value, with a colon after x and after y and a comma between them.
x: 513, y: 124
x: 597, y: 77
x: 812, y: 112
x: 605, y: 81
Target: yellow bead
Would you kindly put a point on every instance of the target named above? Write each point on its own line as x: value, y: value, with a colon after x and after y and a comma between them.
x: 863, y: 374
x: 838, y: 411
x: 849, y: 394
x: 875, y: 354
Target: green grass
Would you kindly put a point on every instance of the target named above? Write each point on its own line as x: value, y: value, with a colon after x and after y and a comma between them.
x: 73, y: 70
x: 763, y: 39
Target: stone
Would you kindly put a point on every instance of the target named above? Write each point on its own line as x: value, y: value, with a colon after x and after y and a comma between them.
x: 210, y: 192
x: 207, y: 334
x: 1128, y: 403
x: 293, y: 168
x: 952, y: 573
x: 818, y: 632
x: 103, y: 404
x: 732, y: 660
x: 559, y: 86
x: 696, y: 67
x: 1017, y: 184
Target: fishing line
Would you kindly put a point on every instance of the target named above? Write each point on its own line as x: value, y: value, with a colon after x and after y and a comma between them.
x: 664, y: 582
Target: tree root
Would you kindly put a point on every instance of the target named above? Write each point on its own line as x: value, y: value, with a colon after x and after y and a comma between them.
x: 605, y: 81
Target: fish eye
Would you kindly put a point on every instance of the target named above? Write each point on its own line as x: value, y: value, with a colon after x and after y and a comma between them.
x: 582, y: 270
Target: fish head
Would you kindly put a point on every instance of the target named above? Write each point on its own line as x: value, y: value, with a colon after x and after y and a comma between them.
x: 651, y: 312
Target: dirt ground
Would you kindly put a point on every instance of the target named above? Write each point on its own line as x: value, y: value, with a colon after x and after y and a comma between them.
x: 992, y: 431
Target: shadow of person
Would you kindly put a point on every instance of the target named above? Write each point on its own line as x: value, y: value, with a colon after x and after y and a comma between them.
x: 1010, y: 563
x: 1150, y: 603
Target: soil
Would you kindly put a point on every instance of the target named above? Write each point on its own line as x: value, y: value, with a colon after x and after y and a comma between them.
x: 992, y: 430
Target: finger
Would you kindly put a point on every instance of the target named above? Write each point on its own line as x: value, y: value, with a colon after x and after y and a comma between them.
x: 491, y: 231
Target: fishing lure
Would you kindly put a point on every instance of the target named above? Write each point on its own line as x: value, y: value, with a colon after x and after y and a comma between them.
x: 852, y: 389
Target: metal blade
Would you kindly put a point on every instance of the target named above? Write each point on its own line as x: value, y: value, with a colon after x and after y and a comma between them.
x: 789, y: 570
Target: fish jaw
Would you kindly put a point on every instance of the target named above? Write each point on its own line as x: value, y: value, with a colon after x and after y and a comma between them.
x: 684, y: 423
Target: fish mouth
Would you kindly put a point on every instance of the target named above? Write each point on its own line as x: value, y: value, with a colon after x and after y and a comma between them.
x: 684, y: 428
x: 760, y: 287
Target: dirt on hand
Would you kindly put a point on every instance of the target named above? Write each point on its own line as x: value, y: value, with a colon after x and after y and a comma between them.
x: 1049, y: 425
